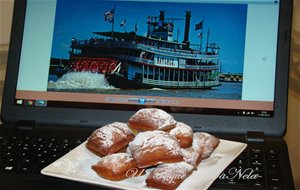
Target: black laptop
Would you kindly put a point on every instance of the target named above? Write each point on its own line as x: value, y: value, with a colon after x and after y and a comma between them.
x: 220, y: 66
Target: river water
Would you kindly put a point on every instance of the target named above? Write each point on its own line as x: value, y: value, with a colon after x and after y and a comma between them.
x: 96, y: 83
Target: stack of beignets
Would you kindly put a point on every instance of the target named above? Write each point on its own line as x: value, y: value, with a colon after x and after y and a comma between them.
x: 159, y: 140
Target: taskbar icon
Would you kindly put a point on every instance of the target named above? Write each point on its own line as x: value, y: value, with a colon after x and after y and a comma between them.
x: 41, y: 103
x: 37, y: 103
x: 19, y: 102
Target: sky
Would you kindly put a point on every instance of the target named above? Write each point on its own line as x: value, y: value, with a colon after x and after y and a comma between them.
x: 226, y: 23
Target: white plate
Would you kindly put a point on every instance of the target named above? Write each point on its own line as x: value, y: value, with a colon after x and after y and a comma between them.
x: 76, y: 166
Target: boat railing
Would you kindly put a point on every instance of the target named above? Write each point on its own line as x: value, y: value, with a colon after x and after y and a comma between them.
x: 199, y: 67
x: 185, y: 54
x: 135, y: 59
x: 175, y: 52
x: 181, y: 66
x: 181, y: 83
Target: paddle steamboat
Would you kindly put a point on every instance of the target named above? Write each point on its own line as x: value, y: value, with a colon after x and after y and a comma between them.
x: 156, y: 60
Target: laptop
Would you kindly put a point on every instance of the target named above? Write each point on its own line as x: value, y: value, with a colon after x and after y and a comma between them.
x: 220, y: 66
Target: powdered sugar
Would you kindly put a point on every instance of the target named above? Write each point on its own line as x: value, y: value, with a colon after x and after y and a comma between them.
x: 159, y: 118
x: 168, y: 173
x: 122, y: 126
x: 115, y: 161
x: 191, y: 155
x: 149, y: 140
x: 106, y: 134
x: 182, y: 129
x: 199, y: 139
x: 207, y: 141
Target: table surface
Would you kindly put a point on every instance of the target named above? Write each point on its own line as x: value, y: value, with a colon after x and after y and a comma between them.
x: 293, y: 120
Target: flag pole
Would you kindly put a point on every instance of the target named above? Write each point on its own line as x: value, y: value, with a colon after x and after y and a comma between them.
x: 124, y: 28
x: 201, y: 41
x: 113, y: 23
x: 207, y: 42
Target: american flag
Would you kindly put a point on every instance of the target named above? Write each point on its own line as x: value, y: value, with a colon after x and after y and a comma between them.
x: 199, y: 25
x: 149, y: 19
x: 200, y: 35
x: 123, y: 23
x: 135, y: 27
x: 109, y: 16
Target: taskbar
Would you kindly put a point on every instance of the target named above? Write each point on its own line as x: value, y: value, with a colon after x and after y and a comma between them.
x: 138, y: 103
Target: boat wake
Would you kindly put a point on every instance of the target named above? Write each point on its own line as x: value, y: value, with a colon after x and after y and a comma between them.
x: 157, y: 89
x: 81, y: 80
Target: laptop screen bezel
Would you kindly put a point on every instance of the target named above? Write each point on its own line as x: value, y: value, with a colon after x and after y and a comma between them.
x: 271, y: 126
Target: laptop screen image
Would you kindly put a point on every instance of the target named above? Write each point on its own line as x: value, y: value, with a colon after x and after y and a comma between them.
x: 203, y: 60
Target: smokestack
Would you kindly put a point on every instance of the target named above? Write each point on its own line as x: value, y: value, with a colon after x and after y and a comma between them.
x: 161, y: 15
x: 187, y: 29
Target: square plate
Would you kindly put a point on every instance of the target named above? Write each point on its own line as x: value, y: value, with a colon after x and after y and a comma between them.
x: 76, y: 166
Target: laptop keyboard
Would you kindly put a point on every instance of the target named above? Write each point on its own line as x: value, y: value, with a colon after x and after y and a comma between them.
x: 25, y: 155
x: 256, y: 168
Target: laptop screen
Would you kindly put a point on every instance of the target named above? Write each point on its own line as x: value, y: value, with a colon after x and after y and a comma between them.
x: 214, y: 57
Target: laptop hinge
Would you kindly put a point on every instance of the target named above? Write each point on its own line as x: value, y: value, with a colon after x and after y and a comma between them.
x: 255, y: 136
x: 25, y: 125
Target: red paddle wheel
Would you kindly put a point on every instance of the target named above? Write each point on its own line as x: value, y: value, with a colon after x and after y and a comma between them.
x: 94, y: 65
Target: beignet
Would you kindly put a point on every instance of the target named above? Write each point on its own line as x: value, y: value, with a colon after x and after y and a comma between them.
x: 154, y: 147
x: 117, y: 167
x: 169, y: 176
x: 206, y: 141
x: 149, y: 119
x: 110, y: 138
x: 192, y: 155
x: 184, y: 134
